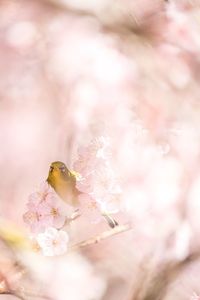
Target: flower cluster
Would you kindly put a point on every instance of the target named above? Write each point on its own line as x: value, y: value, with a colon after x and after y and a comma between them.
x: 99, y: 196
x: 45, y: 216
x: 53, y: 242
x: 98, y: 182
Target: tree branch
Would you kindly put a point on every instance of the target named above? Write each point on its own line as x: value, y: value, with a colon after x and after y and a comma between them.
x: 98, y: 238
x: 155, y: 285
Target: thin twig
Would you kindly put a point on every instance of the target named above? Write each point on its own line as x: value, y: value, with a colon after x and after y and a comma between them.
x: 98, y: 238
x: 38, y: 296
x: 12, y: 294
x: 26, y: 294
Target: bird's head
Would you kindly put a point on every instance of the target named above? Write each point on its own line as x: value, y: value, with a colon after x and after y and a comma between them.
x: 59, y: 169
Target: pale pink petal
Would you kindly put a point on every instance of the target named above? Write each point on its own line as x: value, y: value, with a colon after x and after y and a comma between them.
x: 89, y: 208
x: 85, y: 185
x: 110, y: 206
x: 33, y: 200
x: 45, y: 187
x: 59, y: 221
x: 98, y: 180
x: 53, y: 242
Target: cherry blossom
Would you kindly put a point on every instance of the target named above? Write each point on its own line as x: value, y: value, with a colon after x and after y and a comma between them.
x: 53, y: 213
x: 53, y: 242
x: 98, y: 179
x: 35, y: 219
x: 110, y: 204
x: 44, y: 210
x: 89, y: 208
x: 105, y: 183
x: 92, y: 156
x: 45, y: 192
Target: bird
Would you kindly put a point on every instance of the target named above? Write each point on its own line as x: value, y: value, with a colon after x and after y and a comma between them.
x: 63, y: 181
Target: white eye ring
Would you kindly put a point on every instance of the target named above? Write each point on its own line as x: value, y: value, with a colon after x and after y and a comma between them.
x: 62, y: 169
x: 51, y: 169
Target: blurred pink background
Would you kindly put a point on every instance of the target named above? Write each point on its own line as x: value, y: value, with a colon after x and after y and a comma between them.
x: 75, y: 70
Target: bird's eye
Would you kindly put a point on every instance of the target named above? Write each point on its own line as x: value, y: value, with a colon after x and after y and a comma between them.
x: 51, y: 169
x: 62, y: 169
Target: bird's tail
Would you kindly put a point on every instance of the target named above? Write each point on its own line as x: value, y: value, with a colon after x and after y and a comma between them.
x: 111, y: 222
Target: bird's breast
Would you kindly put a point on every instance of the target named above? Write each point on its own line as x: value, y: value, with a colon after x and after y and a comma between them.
x: 66, y: 189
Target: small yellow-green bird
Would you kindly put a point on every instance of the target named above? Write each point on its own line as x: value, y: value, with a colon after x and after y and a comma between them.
x: 63, y: 181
